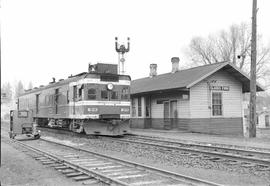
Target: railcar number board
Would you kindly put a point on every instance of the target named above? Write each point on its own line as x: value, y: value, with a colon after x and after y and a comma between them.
x: 22, y: 114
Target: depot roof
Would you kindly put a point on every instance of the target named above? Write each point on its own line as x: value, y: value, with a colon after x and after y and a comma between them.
x: 184, y: 79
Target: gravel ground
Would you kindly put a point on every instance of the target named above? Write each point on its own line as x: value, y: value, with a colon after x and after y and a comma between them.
x: 18, y: 168
x: 171, y: 161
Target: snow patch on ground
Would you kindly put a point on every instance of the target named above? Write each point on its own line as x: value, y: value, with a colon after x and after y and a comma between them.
x: 65, y: 142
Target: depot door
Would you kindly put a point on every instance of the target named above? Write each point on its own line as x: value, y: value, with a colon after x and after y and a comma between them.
x: 173, y: 113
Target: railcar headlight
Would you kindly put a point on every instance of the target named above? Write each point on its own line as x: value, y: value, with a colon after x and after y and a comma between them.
x: 110, y: 86
x: 124, y: 109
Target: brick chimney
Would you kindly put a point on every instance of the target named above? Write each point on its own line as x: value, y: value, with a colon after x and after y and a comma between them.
x: 153, y: 70
x: 175, y: 64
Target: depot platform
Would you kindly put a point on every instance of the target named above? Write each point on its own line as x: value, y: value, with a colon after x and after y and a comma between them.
x: 261, y: 141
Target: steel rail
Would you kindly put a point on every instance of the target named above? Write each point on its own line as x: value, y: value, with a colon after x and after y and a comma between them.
x: 186, y: 149
x: 215, y: 154
x: 166, y: 173
x: 206, y: 146
x: 97, y: 175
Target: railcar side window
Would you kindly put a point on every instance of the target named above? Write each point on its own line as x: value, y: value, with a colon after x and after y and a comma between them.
x: 74, y: 92
x: 125, y: 93
x: 67, y: 97
x: 104, y: 94
x: 114, y: 95
x: 133, y: 108
x: 217, y: 104
x: 81, y: 92
x: 92, y: 94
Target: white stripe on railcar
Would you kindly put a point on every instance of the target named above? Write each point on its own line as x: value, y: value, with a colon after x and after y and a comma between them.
x: 104, y: 103
x: 84, y: 116
x: 94, y: 116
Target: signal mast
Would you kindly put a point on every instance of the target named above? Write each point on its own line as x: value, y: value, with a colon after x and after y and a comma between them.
x: 121, y: 54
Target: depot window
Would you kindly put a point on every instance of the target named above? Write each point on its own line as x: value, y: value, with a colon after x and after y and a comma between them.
x: 217, y: 104
x: 104, y: 94
x: 139, y: 106
x: 133, y: 108
x: 92, y: 94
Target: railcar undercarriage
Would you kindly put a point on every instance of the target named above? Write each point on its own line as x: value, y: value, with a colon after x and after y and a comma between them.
x: 107, y: 127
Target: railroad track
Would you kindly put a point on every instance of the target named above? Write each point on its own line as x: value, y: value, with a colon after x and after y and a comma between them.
x: 245, y: 158
x: 91, y: 167
x: 231, y: 156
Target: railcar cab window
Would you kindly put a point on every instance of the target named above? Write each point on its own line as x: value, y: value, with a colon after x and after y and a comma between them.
x: 91, y: 94
x: 217, y: 104
x: 114, y: 95
x: 104, y: 94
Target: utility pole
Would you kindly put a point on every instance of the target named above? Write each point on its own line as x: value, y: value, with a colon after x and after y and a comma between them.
x: 252, y: 103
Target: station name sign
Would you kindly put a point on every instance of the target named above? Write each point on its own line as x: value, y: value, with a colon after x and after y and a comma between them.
x: 221, y: 88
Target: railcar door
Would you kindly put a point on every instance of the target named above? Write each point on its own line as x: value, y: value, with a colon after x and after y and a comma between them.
x: 74, y: 98
x: 56, y: 99
x: 37, y: 103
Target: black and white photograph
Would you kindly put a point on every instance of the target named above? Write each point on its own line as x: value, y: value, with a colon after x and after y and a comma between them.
x: 135, y: 93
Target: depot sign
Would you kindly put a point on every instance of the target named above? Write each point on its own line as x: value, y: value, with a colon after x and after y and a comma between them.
x: 220, y: 88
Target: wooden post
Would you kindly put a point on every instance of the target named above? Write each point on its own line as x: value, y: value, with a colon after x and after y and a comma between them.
x: 252, y: 104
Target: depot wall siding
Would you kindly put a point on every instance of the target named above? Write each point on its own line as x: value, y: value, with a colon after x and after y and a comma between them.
x: 228, y: 126
x: 200, y: 96
x: 160, y: 123
x: 157, y: 110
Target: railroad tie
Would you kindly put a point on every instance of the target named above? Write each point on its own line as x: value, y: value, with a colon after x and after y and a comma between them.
x: 57, y: 164
x: 68, y: 171
x: 48, y: 162
x: 82, y: 178
x: 108, y: 167
x: 131, y: 176
x: 120, y: 173
x: 147, y: 182
x: 90, y: 182
x: 74, y: 174
x: 61, y: 167
x: 115, y: 170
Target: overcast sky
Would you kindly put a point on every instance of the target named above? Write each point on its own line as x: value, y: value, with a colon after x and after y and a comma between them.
x: 56, y: 38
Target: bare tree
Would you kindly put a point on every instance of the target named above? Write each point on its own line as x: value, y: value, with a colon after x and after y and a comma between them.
x: 232, y: 45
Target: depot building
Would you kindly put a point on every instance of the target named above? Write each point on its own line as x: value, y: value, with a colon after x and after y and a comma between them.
x: 205, y: 99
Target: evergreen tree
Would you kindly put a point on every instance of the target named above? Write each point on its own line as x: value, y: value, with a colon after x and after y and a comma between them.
x: 30, y: 85
x: 19, y: 89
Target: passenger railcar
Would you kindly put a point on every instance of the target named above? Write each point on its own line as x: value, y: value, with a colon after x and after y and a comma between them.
x: 95, y: 102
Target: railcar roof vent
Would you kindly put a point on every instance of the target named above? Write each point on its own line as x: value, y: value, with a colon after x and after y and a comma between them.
x: 35, y: 88
x: 41, y: 86
x: 52, y: 81
x: 61, y: 79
